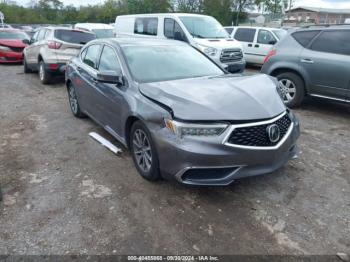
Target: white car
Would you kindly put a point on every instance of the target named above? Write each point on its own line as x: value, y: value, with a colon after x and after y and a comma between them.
x: 100, y: 30
x: 256, y: 41
x: 202, y: 32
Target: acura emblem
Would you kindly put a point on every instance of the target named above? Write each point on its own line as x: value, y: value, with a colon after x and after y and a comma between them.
x: 274, y: 133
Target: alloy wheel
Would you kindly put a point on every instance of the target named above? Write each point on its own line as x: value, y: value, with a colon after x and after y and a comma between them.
x: 288, y: 89
x: 41, y: 72
x: 142, y: 150
x: 73, y: 101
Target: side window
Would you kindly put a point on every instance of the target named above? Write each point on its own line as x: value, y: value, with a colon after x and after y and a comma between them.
x: 245, y: 34
x: 91, y: 56
x: 35, y: 37
x: 305, y: 37
x: 109, y: 60
x: 229, y: 30
x: 41, y: 35
x: 146, y: 26
x: 47, y: 33
x: 265, y: 37
x: 173, y: 30
x: 82, y: 54
x: 336, y: 42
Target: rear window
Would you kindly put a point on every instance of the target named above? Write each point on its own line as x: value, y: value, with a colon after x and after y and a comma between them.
x: 245, y: 34
x: 74, y: 37
x: 305, y: 37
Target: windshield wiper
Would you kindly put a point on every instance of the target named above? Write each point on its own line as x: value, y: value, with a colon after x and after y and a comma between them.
x: 198, y: 36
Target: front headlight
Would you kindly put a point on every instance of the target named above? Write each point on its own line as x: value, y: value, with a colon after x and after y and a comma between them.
x: 210, y: 51
x: 4, y: 48
x: 190, y: 129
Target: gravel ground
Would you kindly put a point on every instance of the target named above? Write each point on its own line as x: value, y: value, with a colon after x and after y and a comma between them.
x: 64, y: 193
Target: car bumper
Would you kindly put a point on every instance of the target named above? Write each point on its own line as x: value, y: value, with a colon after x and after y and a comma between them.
x: 234, y: 67
x: 11, y: 57
x: 213, y: 163
x: 55, y: 68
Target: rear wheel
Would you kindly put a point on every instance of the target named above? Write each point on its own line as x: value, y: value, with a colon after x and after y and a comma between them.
x: 44, y: 75
x: 73, y: 102
x: 292, y: 88
x: 144, y: 152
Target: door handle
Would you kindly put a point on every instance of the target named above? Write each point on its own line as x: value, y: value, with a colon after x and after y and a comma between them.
x: 257, y: 46
x: 250, y: 45
x: 307, y: 61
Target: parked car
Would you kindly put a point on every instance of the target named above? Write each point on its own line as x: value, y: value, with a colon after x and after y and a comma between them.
x: 100, y: 30
x: 202, y: 32
x: 312, y: 61
x: 12, y: 43
x: 180, y: 114
x: 256, y: 41
x: 51, y: 48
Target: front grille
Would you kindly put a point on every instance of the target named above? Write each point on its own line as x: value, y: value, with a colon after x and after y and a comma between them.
x: 231, y: 55
x: 257, y: 136
x: 17, y: 49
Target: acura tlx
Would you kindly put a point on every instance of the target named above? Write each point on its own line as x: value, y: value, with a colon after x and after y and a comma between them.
x: 179, y: 113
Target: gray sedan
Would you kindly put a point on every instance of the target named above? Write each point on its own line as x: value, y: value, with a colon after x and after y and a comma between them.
x: 181, y: 115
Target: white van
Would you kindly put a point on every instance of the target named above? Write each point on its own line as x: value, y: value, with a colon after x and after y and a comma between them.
x: 100, y: 30
x: 202, y: 32
x: 256, y: 41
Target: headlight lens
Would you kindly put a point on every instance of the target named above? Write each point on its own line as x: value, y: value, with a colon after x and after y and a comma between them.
x: 210, y: 51
x: 189, y: 129
x: 4, y: 48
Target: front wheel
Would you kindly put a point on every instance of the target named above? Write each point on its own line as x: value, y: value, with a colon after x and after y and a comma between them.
x: 144, y: 152
x: 44, y: 75
x: 292, y: 88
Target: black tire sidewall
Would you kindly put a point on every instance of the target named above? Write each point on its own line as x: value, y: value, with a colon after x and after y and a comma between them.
x: 47, y: 77
x: 299, y: 86
x: 154, y: 173
x: 25, y: 66
x: 79, y: 113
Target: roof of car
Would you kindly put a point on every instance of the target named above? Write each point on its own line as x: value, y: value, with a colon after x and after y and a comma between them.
x: 94, y: 26
x: 138, y: 41
x: 324, y: 27
x: 162, y: 14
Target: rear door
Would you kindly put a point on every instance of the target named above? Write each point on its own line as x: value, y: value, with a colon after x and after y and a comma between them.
x: 327, y: 63
x: 246, y: 37
x: 34, y: 49
x: 264, y: 43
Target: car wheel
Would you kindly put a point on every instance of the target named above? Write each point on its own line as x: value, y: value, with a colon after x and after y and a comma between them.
x: 292, y: 88
x: 25, y: 66
x: 44, y: 75
x: 144, y: 152
x: 73, y: 102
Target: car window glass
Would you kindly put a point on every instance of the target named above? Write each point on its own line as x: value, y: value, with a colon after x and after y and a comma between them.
x: 109, y: 60
x: 336, y: 42
x: 229, y: 30
x: 173, y: 30
x: 47, y: 33
x: 41, y: 34
x: 305, y: 37
x: 146, y: 26
x: 35, y: 37
x: 74, y: 36
x: 83, y: 53
x: 265, y: 37
x: 91, y: 56
x: 245, y: 34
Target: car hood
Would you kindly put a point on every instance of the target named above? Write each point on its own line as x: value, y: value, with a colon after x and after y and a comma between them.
x: 12, y: 43
x: 219, y: 43
x: 234, y: 98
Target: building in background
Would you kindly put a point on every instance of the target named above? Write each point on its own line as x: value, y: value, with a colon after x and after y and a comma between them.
x: 315, y: 15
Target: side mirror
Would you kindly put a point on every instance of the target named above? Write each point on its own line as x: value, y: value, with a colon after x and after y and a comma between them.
x: 110, y: 77
x: 272, y: 42
x: 26, y: 41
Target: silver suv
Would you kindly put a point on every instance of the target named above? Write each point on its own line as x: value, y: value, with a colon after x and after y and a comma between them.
x: 51, y: 48
x: 312, y: 61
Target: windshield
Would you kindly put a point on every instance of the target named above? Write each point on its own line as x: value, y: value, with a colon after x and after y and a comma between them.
x: 280, y: 33
x: 75, y: 37
x: 204, y: 27
x: 13, y: 35
x: 163, y: 63
x: 103, y: 33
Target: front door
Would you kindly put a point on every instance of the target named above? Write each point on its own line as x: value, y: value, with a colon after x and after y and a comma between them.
x: 327, y: 64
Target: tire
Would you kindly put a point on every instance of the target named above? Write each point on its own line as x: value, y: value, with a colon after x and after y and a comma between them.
x: 144, y: 152
x: 290, y: 81
x: 26, y: 69
x: 73, y: 102
x: 44, y: 76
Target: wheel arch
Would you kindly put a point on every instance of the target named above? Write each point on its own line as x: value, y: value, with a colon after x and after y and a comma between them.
x: 128, y: 124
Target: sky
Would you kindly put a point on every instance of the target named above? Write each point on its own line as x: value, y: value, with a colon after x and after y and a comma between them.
x: 311, y: 3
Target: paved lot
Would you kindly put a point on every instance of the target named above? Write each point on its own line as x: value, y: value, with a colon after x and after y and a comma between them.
x: 64, y: 193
